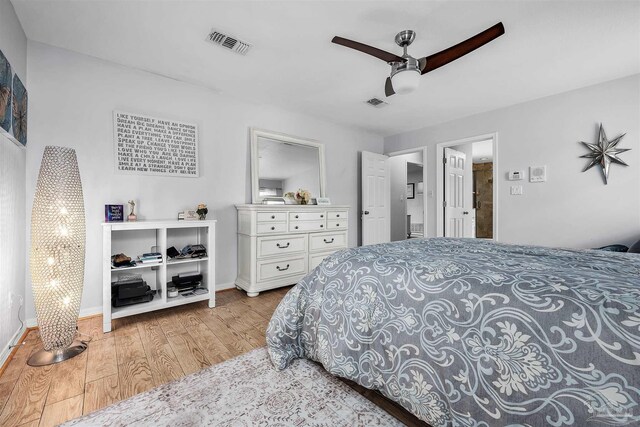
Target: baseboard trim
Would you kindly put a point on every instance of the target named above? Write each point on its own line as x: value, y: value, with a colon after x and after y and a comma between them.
x: 225, y: 286
x: 8, y: 352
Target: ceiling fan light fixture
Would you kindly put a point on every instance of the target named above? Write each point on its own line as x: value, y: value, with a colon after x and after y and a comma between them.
x: 405, y: 81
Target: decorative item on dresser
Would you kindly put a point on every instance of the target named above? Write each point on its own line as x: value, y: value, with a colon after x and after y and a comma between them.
x: 154, y: 269
x: 278, y: 245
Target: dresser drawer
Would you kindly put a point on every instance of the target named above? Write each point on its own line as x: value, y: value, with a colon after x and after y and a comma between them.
x: 272, y: 216
x: 272, y: 269
x: 274, y: 227
x: 326, y: 241
x: 307, y: 226
x: 337, y: 224
x: 307, y: 216
x: 338, y: 215
x: 268, y: 246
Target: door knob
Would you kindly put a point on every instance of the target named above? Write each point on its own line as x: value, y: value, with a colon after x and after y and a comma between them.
x: 465, y: 213
x: 365, y: 213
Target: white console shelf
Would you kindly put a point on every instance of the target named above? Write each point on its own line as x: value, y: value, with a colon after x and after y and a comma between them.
x: 136, y: 238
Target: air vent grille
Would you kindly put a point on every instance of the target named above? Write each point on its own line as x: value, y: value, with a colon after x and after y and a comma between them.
x: 228, y: 42
x: 376, y: 102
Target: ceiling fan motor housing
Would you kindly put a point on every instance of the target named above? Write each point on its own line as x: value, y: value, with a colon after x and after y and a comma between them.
x: 411, y: 64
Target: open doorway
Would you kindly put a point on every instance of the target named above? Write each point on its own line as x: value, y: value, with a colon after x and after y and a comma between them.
x: 466, y: 188
x: 407, y: 200
x: 482, y: 153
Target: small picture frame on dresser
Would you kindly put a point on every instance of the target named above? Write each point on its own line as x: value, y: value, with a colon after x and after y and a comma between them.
x: 323, y: 201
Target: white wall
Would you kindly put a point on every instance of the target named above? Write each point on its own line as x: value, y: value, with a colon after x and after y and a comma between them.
x: 572, y: 209
x: 72, y: 98
x: 13, y: 44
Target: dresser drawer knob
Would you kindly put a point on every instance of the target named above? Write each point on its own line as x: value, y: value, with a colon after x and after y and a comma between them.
x: 297, y: 217
x: 337, y: 225
x: 273, y: 217
x: 284, y: 246
x: 282, y: 269
x: 321, y: 226
x: 296, y: 227
x: 321, y: 216
x: 329, y: 241
x: 337, y: 215
x: 273, y: 228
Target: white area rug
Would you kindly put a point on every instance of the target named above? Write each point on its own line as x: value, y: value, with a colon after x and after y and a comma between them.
x: 246, y: 391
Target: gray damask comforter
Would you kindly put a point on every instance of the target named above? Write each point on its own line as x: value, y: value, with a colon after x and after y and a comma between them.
x: 474, y: 333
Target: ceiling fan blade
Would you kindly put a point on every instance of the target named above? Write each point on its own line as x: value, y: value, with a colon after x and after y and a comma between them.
x: 369, y: 50
x: 388, y: 87
x: 443, y: 57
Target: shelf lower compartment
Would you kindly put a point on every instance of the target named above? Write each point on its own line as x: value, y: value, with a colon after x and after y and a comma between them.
x: 156, y: 304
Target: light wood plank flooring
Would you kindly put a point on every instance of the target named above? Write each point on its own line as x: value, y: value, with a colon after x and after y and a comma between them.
x: 142, y: 352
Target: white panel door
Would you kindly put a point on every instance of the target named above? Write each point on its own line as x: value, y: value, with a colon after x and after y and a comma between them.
x: 457, y: 218
x: 375, y: 198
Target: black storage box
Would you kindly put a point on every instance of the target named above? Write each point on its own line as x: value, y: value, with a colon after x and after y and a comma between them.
x: 129, y: 289
x: 185, y: 281
x: 120, y: 302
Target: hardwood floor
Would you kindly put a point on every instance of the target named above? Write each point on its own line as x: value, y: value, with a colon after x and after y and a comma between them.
x: 142, y: 352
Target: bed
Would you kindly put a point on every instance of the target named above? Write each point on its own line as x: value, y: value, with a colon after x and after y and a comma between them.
x: 469, y: 332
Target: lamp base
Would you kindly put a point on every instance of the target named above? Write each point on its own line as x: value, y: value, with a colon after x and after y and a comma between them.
x: 43, y: 357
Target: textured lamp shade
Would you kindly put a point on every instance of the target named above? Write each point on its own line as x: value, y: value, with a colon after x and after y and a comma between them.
x: 57, y: 254
x: 405, y: 81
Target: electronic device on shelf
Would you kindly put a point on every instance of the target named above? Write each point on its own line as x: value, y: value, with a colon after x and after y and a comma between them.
x: 172, y: 252
x: 130, y: 290
x: 194, y: 251
x: 190, y: 280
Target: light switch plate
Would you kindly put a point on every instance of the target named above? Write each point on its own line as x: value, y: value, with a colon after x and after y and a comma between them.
x: 537, y: 173
x: 516, y: 190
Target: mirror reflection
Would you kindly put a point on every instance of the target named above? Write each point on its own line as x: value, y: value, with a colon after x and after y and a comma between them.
x: 286, y: 167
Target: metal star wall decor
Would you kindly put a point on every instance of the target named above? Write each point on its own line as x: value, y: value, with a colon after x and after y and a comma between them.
x: 604, y: 153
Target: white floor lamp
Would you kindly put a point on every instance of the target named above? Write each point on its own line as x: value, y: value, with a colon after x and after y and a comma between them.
x: 57, y: 255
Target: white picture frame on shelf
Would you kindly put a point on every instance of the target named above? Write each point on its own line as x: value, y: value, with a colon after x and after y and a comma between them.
x: 323, y: 201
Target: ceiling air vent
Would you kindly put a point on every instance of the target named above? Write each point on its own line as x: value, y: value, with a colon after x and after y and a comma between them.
x: 229, y: 42
x: 376, y: 102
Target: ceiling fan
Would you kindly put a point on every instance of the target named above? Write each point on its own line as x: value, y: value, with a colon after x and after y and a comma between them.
x: 406, y: 70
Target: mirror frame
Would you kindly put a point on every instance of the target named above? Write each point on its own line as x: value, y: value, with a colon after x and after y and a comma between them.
x: 255, y: 179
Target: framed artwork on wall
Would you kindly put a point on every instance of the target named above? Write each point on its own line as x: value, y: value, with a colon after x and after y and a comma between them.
x: 13, y: 104
x: 411, y: 190
x: 6, y: 77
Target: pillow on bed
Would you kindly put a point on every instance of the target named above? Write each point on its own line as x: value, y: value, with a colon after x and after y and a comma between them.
x: 635, y: 249
x: 614, y: 248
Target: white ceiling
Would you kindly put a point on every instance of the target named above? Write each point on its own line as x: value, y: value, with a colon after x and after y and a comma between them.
x: 549, y: 47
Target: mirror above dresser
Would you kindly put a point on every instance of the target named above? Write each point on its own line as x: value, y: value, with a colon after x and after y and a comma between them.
x: 283, y: 163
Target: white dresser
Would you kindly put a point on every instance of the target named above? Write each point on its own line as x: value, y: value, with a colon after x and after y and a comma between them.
x: 280, y: 244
